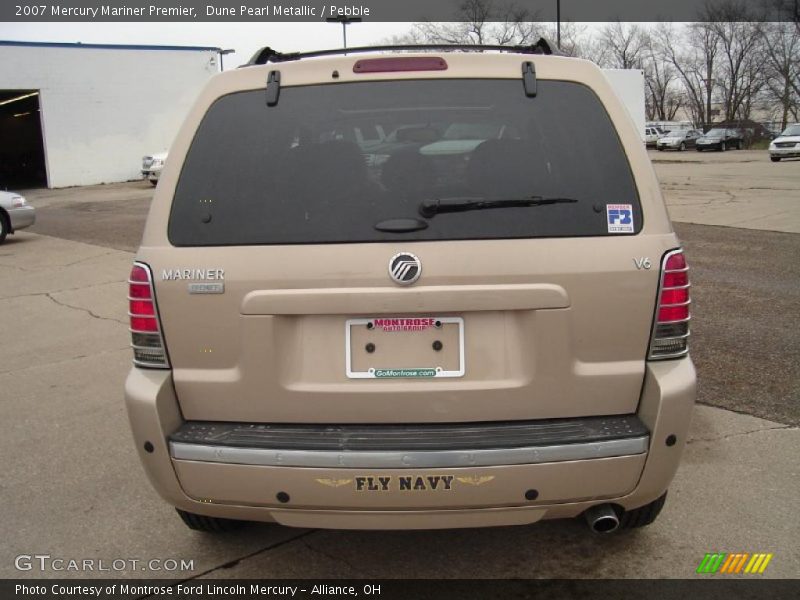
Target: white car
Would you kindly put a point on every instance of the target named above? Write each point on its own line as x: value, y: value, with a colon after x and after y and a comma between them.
x: 652, y: 135
x: 15, y: 214
x: 786, y: 145
x: 152, y: 165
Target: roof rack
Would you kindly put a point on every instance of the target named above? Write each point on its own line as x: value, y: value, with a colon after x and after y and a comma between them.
x: 268, y: 55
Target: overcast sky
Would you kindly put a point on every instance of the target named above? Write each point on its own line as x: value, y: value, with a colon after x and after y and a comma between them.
x: 245, y: 38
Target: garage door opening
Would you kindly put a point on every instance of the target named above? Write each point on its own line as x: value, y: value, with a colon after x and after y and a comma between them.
x: 22, y: 163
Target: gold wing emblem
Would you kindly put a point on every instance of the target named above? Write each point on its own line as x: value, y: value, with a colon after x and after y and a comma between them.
x: 475, y: 480
x: 334, y: 483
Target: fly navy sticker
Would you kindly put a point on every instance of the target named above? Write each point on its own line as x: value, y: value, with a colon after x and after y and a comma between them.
x: 334, y: 483
x: 475, y: 480
x: 619, y: 218
x: 406, y: 483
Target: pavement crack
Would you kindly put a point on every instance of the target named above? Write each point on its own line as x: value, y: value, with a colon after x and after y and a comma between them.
x: 53, y: 265
x: 333, y: 557
x: 16, y: 267
x: 31, y: 295
x: 86, y: 310
x: 232, y: 563
x: 740, y: 434
x: 58, y: 362
x: 77, y: 262
x: 73, y: 289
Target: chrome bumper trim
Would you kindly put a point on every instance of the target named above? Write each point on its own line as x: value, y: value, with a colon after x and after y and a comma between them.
x: 407, y: 460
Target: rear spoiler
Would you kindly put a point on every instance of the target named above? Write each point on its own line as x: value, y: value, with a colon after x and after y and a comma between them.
x: 268, y: 55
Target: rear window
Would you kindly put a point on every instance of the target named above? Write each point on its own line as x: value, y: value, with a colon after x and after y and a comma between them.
x: 330, y: 162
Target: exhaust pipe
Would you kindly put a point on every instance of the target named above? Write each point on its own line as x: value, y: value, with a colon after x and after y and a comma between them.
x: 602, y: 518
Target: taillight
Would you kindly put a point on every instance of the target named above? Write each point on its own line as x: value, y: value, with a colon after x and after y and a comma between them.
x: 146, y: 339
x: 671, y: 328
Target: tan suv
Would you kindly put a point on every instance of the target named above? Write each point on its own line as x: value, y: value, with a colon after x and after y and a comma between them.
x: 343, y: 317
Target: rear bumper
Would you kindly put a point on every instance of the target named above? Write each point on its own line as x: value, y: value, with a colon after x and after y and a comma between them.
x: 461, y: 489
x: 427, y: 446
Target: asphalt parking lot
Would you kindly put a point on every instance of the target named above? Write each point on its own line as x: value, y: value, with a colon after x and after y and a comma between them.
x: 73, y: 486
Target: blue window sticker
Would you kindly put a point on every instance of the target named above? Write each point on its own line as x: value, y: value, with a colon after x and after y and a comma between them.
x: 619, y: 218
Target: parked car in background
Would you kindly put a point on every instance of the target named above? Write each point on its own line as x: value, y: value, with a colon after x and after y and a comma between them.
x: 720, y: 139
x: 678, y: 140
x: 651, y: 136
x: 15, y: 213
x: 671, y: 126
x: 786, y: 145
x: 152, y: 165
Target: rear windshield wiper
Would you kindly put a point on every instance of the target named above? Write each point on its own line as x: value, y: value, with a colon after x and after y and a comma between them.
x: 432, y: 207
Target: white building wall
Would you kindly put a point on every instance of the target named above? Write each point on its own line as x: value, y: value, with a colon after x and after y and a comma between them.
x: 629, y: 85
x: 103, y: 109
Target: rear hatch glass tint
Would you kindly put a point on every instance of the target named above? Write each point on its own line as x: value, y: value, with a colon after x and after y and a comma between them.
x: 330, y: 162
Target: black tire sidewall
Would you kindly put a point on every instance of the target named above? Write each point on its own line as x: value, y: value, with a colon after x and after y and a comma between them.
x: 4, y: 227
x: 642, y: 516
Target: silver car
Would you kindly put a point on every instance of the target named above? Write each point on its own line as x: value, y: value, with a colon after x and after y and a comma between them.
x: 678, y: 140
x: 15, y: 213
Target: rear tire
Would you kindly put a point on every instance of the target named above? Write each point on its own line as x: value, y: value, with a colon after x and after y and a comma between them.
x: 722, y: 147
x: 642, y: 516
x: 775, y: 158
x: 4, y: 227
x: 682, y: 147
x: 209, y: 524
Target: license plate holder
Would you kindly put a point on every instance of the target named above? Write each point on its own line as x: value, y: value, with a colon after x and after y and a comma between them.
x: 404, y: 347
